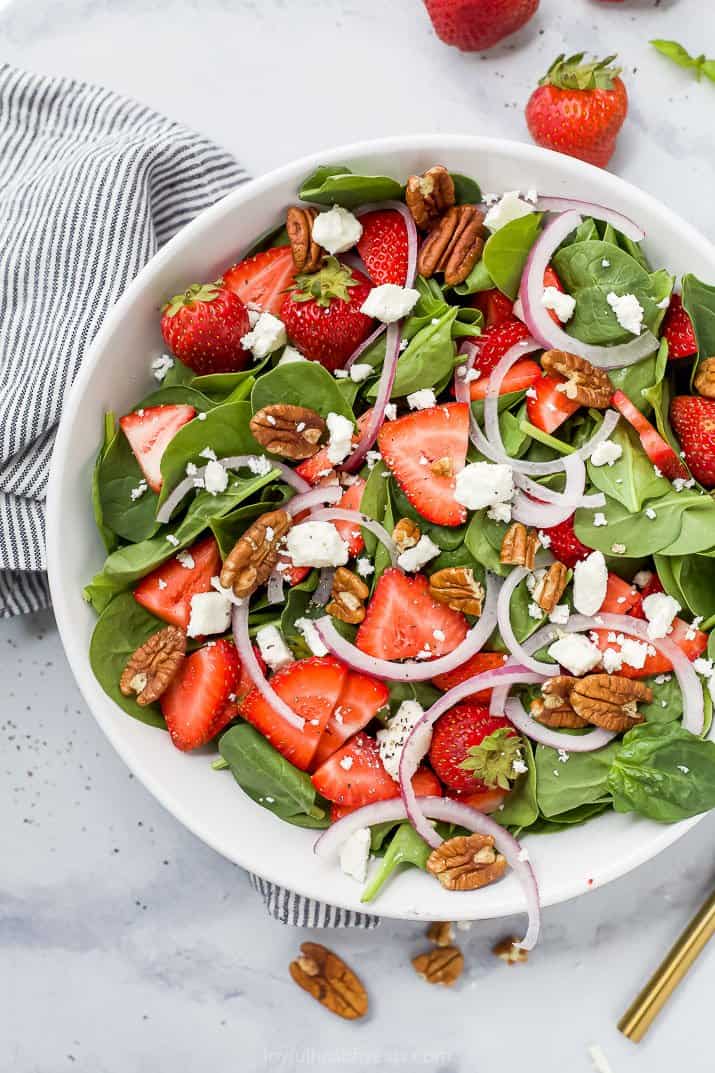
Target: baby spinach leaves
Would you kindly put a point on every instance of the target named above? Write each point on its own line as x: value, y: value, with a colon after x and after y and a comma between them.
x: 683, y: 524
x: 121, y: 628
x: 109, y: 538
x: 118, y: 475
x: 506, y: 252
x: 631, y: 480
x: 581, y: 780
x: 301, y: 383
x: 405, y: 847
x: 520, y: 808
x: 699, y: 303
x: 334, y: 184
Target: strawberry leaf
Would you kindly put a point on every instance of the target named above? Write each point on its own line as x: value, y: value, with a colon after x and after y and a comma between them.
x: 493, y: 760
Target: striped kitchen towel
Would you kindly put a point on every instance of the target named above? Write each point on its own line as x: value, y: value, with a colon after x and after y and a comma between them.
x: 91, y: 184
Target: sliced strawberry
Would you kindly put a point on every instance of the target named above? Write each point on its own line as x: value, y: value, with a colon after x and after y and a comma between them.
x: 319, y: 467
x: 150, y: 431
x: 411, y: 446
x: 564, y: 544
x: 196, y: 705
x: 621, y: 597
x: 263, y: 279
x: 522, y: 375
x: 693, y: 421
x: 481, y: 800
x: 402, y: 620
x: 495, y: 341
x: 311, y: 687
x: 351, y: 534
x: 424, y: 782
x: 547, y: 406
x: 678, y: 330
x: 659, y: 452
x: 477, y: 664
x: 692, y: 642
x: 383, y: 247
x: 166, y: 592
x: 355, y: 775
x: 495, y: 307
x: 552, y: 280
x: 360, y: 701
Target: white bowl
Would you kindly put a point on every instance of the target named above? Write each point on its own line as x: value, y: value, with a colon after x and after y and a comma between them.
x: 115, y: 374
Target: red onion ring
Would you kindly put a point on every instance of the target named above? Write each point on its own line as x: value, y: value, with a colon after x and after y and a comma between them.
x: 364, y: 345
x: 324, y: 588
x: 548, y: 495
x: 314, y: 497
x: 288, y: 475
x: 274, y: 588
x: 543, y: 328
x: 337, y: 514
x: 412, y: 240
x: 599, y: 212
x: 413, y: 670
x: 443, y: 808
x: 543, y: 515
x: 239, y: 622
x: 518, y: 652
x: 384, y: 390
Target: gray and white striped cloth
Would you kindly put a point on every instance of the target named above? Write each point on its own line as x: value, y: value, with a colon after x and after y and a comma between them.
x: 91, y: 184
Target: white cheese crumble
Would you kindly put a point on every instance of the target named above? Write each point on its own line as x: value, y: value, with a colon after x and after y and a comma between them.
x: 422, y: 399
x: 365, y: 567
x: 354, y: 854
x: 138, y: 492
x: 390, y: 411
x: 660, y: 610
x: 273, y: 649
x: 560, y: 615
x: 311, y: 636
x: 509, y: 207
x: 628, y: 310
x: 340, y: 443
x: 612, y: 661
x: 392, y: 739
x: 589, y: 583
x: 316, y: 544
x: 606, y: 453
x: 390, y: 302
x: 599, y: 519
x: 337, y: 230
x: 259, y: 465
x: 161, y: 365
x: 576, y: 653
x: 484, y: 484
x: 210, y: 613
x: 186, y: 559
x: 215, y: 478
x: 413, y: 559
x: 267, y: 334
x: 290, y: 355
x: 171, y: 539
x: 359, y: 372
x: 562, y: 304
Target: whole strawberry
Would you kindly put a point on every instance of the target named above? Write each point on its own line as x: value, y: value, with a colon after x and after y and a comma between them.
x: 678, y: 330
x: 472, y: 750
x: 473, y: 25
x: 322, y: 313
x: 693, y: 421
x: 204, y: 326
x: 579, y: 108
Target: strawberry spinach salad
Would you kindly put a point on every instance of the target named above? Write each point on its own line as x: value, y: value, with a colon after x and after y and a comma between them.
x: 416, y: 528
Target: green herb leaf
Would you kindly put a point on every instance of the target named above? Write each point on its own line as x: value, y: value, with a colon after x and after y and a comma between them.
x: 406, y: 847
x: 680, y: 55
x: 492, y: 761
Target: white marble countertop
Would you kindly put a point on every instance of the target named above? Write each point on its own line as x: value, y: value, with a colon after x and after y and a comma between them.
x: 125, y: 944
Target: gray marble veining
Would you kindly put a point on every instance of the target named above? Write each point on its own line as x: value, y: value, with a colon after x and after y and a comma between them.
x: 127, y: 945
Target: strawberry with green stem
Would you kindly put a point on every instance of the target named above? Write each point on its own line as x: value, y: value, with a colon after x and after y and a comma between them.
x: 204, y: 325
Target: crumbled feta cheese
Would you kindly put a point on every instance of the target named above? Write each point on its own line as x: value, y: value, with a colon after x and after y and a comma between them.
x: 210, y: 613
x: 509, y: 207
x: 186, y: 559
x: 215, y: 478
x: 316, y: 544
x: 346, y: 763
x: 290, y: 355
x: 634, y: 653
x: 679, y: 483
x: 535, y: 612
x: 365, y: 567
x: 484, y: 484
x: 422, y: 399
x: 268, y: 334
x: 413, y: 559
x: 599, y: 519
x: 643, y: 578
x: 660, y: 610
x: 392, y: 739
x: 500, y: 512
x: 273, y: 649
x: 606, y: 453
x: 162, y: 584
x: 519, y: 766
x: 589, y: 583
x: 390, y: 411
x: 390, y: 302
x: 340, y: 443
x: 201, y: 416
x: 138, y: 492
x: 628, y: 310
x: 161, y: 365
x: 618, y: 549
x: 311, y: 636
x: 229, y: 594
x: 360, y: 371
x: 560, y: 615
x: 259, y: 465
x: 354, y: 854
x: 562, y: 304
x: 372, y: 458
x: 605, y: 263
x: 650, y: 514
x: 336, y: 230
x: 531, y: 196
x: 612, y: 661
x: 208, y: 452
x: 576, y: 653
x: 171, y: 539
x: 544, y: 539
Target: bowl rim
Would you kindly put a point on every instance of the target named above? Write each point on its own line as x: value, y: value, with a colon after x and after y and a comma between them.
x: 571, y: 169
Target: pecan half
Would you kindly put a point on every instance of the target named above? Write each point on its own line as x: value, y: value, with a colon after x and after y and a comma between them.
x: 705, y: 378
x: 585, y: 383
x: 288, y: 431
x: 466, y: 862
x: 550, y: 587
x: 406, y: 534
x: 553, y: 708
x: 328, y: 979
x: 307, y: 254
x: 441, y: 933
x: 255, y: 554
x: 443, y: 965
x: 454, y: 245
x: 609, y: 701
x: 519, y: 546
x: 151, y: 669
x: 457, y: 587
x: 349, y: 594
x: 429, y: 195
x: 510, y: 951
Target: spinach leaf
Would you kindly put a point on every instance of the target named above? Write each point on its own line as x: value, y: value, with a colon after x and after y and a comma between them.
x: 336, y: 184
x: 428, y: 359
x: 466, y: 190
x: 178, y: 375
x: 699, y: 303
x: 375, y: 497
x: 694, y: 578
x: 639, y: 380
x: 659, y: 534
x: 663, y: 772
x: 270, y: 780
x: 696, y: 532
x: 631, y: 480
x: 582, y: 780
x: 424, y: 693
x: 406, y: 847
x: 118, y: 475
x: 109, y: 538
x: 480, y: 547
x: 180, y: 395
x: 297, y: 605
x: 301, y: 383
x: 268, y: 240
x: 477, y: 280
x: 565, y: 820
x: 122, y: 627
x: 667, y: 703
x: 520, y: 808
x: 229, y: 527
x: 219, y: 386
x: 506, y: 252
x: 448, y: 538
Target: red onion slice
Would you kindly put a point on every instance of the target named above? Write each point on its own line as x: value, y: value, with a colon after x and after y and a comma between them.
x: 414, y: 670
x: 570, y: 743
x: 314, y: 497
x: 600, y: 212
x: 447, y: 811
x: 288, y: 475
x: 366, y: 343
x: 274, y: 588
x: 537, y: 317
x: 572, y: 498
x: 562, y: 504
x: 239, y: 621
x: 412, y: 241
x: 324, y: 588
x: 337, y: 514
x: 384, y: 390
x: 518, y: 652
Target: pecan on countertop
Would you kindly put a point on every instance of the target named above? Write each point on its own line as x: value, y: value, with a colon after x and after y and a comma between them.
x: 442, y: 965
x: 328, y: 979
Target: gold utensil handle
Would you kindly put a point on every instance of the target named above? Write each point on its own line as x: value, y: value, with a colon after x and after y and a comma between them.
x: 640, y: 1014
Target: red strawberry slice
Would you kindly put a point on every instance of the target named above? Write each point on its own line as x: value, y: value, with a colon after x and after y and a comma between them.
x: 263, y: 279
x: 351, y: 534
x: 552, y: 280
x: 383, y: 247
x: 678, y: 330
x: 495, y: 306
x: 311, y: 687
x: 150, y: 431
x: 522, y: 375
x: 244, y: 684
x: 621, y: 597
x: 693, y: 421
x: 565, y: 545
x: 455, y: 733
x: 477, y: 664
x: 412, y: 444
x: 196, y: 705
x: 659, y: 452
x: 402, y: 620
x: 355, y: 775
x: 547, y: 406
x: 425, y: 784
x: 481, y: 800
x: 494, y: 343
x: 692, y: 642
x: 166, y: 592
x: 360, y: 701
